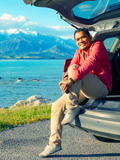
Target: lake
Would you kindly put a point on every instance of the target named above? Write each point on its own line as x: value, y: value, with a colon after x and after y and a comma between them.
x: 20, y: 79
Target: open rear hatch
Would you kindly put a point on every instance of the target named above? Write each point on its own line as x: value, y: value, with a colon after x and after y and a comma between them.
x: 92, y: 14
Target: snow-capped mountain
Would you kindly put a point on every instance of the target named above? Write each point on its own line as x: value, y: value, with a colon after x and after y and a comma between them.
x: 18, y: 43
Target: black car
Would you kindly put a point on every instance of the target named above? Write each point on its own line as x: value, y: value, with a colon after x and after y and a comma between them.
x: 100, y: 117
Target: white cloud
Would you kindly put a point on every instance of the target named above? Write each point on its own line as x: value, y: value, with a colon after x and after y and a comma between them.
x: 7, y: 21
x: 29, y: 23
x: 67, y: 37
x: 8, y: 17
x: 59, y: 28
x: 13, y: 25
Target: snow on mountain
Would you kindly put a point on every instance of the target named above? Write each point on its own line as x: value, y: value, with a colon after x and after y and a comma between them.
x: 16, y: 31
x: 19, y: 43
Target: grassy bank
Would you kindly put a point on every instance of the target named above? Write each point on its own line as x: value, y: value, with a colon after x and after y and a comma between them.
x: 12, y: 117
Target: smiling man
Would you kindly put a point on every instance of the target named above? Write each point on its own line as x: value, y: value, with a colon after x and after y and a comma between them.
x: 88, y: 76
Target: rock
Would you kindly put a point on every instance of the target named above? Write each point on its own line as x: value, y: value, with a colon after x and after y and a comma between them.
x: 20, y: 78
x: 32, y: 101
x: 34, y: 98
x: 35, y: 80
x: 37, y: 103
x: 19, y: 103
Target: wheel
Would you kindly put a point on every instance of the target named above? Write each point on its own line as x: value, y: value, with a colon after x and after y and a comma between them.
x: 102, y: 139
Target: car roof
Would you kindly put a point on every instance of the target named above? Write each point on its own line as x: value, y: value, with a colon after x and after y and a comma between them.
x: 96, y: 15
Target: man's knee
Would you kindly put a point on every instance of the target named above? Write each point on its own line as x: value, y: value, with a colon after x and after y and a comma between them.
x: 71, y: 70
x: 72, y: 67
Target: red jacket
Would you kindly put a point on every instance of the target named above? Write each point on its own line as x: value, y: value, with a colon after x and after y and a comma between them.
x: 96, y: 62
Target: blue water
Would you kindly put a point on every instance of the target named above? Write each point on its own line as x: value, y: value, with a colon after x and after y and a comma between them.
x: 39, y: 77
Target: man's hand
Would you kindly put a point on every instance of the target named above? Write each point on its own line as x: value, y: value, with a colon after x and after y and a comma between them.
x: 65, y: 84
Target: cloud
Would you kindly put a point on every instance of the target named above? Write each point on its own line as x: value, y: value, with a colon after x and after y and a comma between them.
x: 7, y: 21
x: 66, y: 37
x: 14, y: 24
x: 59, y: 28
x: 7, y: 17
x: 29, y: 23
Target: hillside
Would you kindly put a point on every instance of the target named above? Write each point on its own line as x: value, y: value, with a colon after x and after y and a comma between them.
x: 22, y: 45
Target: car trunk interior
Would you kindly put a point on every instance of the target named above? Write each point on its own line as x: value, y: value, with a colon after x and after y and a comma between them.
x: 114, y: 56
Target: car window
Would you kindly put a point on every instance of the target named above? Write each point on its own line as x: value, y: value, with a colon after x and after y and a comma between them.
x: 91, y: 9
x: 113, y: 47
x: 109, y: 43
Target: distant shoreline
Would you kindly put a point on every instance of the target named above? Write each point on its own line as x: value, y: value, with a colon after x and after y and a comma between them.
x: 33, y: 58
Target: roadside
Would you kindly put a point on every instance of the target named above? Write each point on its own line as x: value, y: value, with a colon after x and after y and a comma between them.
x: 27, y: 141
x: 23, y: 114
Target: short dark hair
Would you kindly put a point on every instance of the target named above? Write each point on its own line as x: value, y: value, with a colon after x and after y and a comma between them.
x: 85, y: 30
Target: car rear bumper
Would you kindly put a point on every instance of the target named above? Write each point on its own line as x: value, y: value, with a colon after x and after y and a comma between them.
x: 99, y: 122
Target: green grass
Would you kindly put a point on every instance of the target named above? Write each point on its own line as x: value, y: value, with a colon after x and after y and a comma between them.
x: 15, y: 116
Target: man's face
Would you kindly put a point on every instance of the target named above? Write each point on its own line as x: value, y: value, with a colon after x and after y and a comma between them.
x: 83, y: 41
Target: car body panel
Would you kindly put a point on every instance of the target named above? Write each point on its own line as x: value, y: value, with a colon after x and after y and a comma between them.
x: 100, y: 118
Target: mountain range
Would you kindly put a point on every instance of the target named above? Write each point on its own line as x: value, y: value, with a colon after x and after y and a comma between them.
x: 23, y: 45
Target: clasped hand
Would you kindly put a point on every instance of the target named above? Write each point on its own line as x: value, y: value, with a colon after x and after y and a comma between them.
x: 65, y: 84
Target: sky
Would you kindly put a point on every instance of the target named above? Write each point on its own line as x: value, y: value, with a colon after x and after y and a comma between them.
x: 16, y: 15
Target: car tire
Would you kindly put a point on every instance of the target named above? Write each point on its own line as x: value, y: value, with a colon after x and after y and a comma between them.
x: 102, y: 139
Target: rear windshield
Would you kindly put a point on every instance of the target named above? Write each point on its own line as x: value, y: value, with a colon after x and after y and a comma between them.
x: 91, y: 9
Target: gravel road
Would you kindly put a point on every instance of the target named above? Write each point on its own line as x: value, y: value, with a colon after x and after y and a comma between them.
x: 27, y: 141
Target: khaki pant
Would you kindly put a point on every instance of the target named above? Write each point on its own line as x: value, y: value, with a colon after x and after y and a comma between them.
x: 90, y: 86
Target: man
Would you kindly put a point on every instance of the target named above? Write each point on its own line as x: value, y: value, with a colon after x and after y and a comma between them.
x: 89, y: 75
